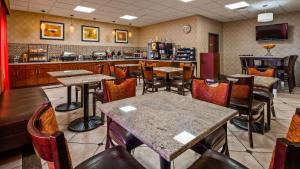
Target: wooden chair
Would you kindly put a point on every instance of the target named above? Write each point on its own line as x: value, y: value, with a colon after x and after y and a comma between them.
x: 51, y: 146
x: 150, y: 80
x: 287, y: 73
x: 244, y: 65
x: 116, y: 133
x: 264, y: 94
x: 287, y: 150
x: 215, y: 160
x: 185, y: 81
x: 216, y: 93
x: 251, y: 111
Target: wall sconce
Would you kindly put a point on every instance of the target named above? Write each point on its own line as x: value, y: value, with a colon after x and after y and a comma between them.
x: 43, y: 25
x: 71, y: 26
x: 130, y: 34
x: 113, y: 32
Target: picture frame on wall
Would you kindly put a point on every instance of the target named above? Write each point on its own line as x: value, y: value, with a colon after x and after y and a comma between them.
x: 121, y: 36
x: 90, y: 33
x: 52, y: 30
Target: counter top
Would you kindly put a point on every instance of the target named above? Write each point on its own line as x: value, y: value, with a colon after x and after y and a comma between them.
x: 95, y: 61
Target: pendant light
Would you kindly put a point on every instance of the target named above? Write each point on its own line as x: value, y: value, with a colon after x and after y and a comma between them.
x: 43, y: 25
x: 265, y: 16
x: 72, y: 26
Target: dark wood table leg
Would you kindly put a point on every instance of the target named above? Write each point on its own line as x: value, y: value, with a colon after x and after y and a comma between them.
x: 164, y: 164
x: 69, y: 106
x: 168, y: 80
x: 86, y: 122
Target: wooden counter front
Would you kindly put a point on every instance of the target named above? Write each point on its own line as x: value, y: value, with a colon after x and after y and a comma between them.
x: 35, y: 74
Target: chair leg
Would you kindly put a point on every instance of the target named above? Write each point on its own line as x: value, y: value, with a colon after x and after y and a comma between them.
x: 94, y: 105
x: 76, y: 94
x: 144, y: 88
x: 263, y: 123
x: 290, y: 84
x: 225, y: 148
x: 273, y: 109
x: 250, y: 131
x: 269, y: 113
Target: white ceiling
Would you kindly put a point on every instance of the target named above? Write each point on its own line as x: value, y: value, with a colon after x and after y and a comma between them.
x: 154, y: 11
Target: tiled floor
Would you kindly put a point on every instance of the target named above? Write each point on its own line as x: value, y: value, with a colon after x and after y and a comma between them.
x: 85, y: 145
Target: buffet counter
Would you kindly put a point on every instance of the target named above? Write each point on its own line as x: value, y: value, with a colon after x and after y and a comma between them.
x: 35, y: 73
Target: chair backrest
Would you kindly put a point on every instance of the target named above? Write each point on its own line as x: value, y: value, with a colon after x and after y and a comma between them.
x: 269, y: 72
x: 242, y: 89
x: 243, y: 63
x: 48, y: 142
x: 287, y: 150
x: 148, y: 73
x: 113, y: 91
x: 211, y: 91
x: 106, y: 69
x: 292, y: 62
x: 187, y: 72
x: 121, y: 74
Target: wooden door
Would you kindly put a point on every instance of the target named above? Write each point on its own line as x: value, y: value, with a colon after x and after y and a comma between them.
x: 68, y: 66
x: 213, y: 43
x: 44, y: 77
x: 12, y: 76
x: 86, y: 66
x: 32, y: 75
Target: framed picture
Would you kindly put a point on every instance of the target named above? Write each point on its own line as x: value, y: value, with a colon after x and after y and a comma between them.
x: 121, y: 36
x: 52, y: 30
x: 90, y: 34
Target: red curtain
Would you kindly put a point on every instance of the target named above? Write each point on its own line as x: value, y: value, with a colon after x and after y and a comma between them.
x: 3, y: 46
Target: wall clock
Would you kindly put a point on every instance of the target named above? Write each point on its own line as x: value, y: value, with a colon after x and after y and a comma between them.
x: 187, y: 28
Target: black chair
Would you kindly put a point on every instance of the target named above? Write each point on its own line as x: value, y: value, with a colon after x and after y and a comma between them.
x: 287, y: 73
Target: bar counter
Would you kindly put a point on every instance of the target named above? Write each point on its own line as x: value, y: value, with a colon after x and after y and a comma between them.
x: 35, y: 73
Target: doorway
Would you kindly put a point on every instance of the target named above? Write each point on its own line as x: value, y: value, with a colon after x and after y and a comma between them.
x: 213, y: 43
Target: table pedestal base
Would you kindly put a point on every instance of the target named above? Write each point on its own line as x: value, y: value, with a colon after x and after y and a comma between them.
x: 241, y: 122
x: 79, y: 125
x: 67, y: 107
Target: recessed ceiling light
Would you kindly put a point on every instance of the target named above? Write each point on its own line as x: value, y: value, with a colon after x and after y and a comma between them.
x: 128, y: 17
x: 237, y: 5
x: 186, y: 1
x: 84, y: 9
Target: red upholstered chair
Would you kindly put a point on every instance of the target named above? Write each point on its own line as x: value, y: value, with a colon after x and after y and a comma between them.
x: 216, y: 93
x: 250, y: 111
x: 264, y: 94
x: 150, y: 80
x: 287, y: 150
x: 115, y: 132
x: 50, y: 145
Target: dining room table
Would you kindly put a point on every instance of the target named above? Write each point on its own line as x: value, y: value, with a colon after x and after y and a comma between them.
x: 166, y: 122
x: 260, y: 81
x: 168, y: 71
x: 274, y: 60
x: 69, y: 106
x: 86, y: 122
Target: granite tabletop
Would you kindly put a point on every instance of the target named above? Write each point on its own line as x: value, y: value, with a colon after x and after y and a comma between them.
x: 79, y: 80
x: 168, y: 69
x: 67, y: 73
x: 265, y: 57
x: 168, y: 123
x: 260, y: 81
x: 128, y: 65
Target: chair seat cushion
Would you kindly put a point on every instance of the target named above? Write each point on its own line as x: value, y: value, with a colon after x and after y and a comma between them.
x: 257, y: 106
x: 114, y: 158
x: 260, y: 94
x: 123, y: 137
x: 214, y: 160
x: 214, y: 141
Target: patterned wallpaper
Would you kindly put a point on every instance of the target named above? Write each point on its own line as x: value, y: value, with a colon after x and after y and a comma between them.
x: 239, y: 38
x: 172, y: 31
x: 24, y: 27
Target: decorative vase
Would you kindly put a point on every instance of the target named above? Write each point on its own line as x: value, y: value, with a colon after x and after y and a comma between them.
x: 269, y: 47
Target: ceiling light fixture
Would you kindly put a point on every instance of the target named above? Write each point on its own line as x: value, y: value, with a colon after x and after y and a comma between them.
x: 84, y: 9
x: 71, y: 26
x: 265, y: 16
x: 128, y: 17
x: 237, y: 5
x: 186, y: 1
x: 43, y: 25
